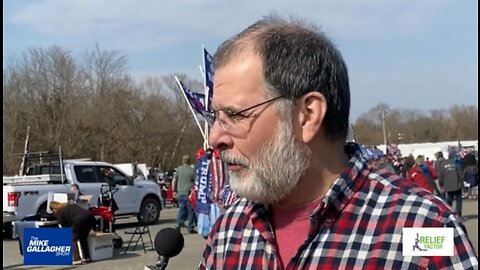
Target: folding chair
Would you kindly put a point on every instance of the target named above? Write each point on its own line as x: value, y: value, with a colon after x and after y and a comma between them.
x: 141, y: 229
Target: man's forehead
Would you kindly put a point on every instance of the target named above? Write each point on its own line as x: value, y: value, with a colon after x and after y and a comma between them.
x: 244, y: 65
x: 238, y: 80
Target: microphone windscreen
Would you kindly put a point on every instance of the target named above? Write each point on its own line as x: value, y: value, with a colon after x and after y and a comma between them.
x: 169, y: 242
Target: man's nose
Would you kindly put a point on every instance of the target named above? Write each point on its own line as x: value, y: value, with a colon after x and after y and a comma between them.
x: 218, y: 138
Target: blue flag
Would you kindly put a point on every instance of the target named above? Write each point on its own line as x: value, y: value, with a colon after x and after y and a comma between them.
x: 196, y: 100
x: 208, y: 73
x: 205, y: 222
x: 203, y: 185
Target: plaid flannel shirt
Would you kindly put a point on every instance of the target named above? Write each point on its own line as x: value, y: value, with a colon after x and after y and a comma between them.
x: 358, y: 225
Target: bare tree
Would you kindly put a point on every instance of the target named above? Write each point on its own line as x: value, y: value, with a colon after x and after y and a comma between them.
x: 415, y: 126
x: 92, y: 107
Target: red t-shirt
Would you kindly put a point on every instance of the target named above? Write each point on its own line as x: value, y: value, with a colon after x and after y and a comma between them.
x: 290, y: 226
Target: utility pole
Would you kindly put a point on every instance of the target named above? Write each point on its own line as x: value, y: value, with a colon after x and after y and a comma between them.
x: 177, y: 143
x: 383, y: 112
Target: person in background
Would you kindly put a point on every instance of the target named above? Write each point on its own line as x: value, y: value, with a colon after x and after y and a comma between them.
x: 163, y: 192
x: 183, y: 182
x: 104, y: 199
x: 107, y: 176
x: 81, y: 221
x: 153, y: 175
x: 458, y: 161
x: 384, y: 163
x: 74, y: 188
x: 439, y: 160
x: 281, y: 103
x: 398, y: 166
x: 470, y: 175
x: 408, y: 163
x: 428, y: 162
x: 430, y: 175
x: 450, y: 180
x: 416, y: 175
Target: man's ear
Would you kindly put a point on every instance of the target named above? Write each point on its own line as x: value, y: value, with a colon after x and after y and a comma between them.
x: 312, y: 109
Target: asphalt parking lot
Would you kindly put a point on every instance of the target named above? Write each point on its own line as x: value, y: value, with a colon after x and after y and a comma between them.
x: 187, y: 259
x: 191, y: 253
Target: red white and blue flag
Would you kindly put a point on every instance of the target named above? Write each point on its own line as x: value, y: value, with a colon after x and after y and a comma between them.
x: 203, y: 187
x: 393, y: 152
x: 212, y: 190
x: 196, y: 100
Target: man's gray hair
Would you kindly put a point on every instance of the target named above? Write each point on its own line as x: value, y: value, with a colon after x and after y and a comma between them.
x: 297, y: 59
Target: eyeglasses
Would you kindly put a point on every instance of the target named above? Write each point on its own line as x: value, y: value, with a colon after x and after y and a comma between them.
x: 230, y: 120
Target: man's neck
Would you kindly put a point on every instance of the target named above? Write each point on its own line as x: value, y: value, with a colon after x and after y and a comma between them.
x: 328, y: 161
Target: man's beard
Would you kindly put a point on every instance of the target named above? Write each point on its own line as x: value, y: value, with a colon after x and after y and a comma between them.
x: 275, y: 170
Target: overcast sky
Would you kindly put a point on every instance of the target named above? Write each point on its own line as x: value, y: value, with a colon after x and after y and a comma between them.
x: 407, y: 53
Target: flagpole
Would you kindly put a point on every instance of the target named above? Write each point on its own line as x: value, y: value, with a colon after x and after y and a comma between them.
x: 191, y: 109
x: 60, y: 156
x: 207, y: 95
x: 205, y: 145
x: 174, y: 152
x: 25, y: 154
x: 351, y: 134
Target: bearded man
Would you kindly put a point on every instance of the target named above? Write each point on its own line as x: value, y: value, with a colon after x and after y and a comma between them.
x: 281, y: 105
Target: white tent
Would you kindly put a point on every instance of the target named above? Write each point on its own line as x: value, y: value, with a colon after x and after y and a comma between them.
x: 429, y: 149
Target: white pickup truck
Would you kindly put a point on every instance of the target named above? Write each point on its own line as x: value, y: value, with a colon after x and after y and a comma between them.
x: 27, y: 195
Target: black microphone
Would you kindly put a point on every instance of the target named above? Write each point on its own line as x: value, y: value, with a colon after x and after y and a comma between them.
x: 168, y: 243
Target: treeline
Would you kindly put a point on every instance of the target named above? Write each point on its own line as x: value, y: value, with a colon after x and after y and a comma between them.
x: 416, y: 126
x: 92, y: 107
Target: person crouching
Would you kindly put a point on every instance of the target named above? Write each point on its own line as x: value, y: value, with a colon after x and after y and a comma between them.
x: 81, y: 221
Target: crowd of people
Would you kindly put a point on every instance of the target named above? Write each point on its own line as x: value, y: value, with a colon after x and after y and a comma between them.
x: 452, y: 179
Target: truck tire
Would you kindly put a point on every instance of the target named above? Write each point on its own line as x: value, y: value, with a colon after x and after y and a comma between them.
x: 151, y: 210
x: 8, y: 231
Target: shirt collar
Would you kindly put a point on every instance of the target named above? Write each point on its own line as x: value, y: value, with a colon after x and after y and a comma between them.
x: 347, y: 184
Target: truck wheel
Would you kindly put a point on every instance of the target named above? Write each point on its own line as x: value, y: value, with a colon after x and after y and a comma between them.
x: 7, y: 231
x: 150, y: 209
